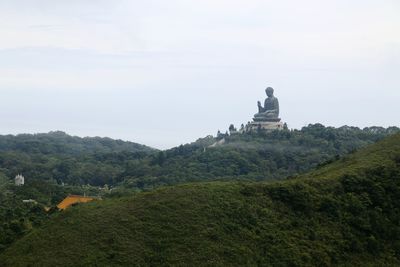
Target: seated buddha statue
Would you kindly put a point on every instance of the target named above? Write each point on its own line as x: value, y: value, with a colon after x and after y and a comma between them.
x: 270, y: 111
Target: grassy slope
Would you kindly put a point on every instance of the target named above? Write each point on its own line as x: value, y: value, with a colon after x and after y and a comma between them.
x: 346, y: 213
x: 384, y: 154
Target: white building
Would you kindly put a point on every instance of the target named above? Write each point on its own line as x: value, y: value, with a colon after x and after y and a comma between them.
x: 29, y: 201
x: 19, y: 180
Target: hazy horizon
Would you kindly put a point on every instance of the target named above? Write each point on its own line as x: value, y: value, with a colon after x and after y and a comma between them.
x: 167, y: 73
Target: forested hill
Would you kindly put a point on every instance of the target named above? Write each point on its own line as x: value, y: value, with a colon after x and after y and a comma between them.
x: 60, y: 158
x: 346, y: 214
x: 62, y: 143
x: 57, y: 157
x: 251, y: 156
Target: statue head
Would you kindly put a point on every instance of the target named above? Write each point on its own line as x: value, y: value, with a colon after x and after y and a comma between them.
x: 269, y: 91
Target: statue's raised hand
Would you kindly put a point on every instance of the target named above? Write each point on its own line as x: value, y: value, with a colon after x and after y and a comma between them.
x: 259, y: 103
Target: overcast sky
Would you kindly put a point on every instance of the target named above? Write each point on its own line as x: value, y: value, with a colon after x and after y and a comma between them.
x: 164, y: 73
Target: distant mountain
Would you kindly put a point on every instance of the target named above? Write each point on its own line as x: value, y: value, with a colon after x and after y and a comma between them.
x: 345, y: 213
x: 62, y: 143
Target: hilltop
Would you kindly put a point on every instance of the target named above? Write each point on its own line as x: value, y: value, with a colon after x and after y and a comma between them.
x: 344, y: 213
x: 60, y: 143
x: 254, y: 156
x: 57, y: 157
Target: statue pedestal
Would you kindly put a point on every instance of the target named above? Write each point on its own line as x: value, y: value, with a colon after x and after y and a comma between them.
x: 265, y: 125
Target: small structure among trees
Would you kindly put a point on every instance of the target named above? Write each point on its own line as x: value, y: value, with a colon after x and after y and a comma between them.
x: 19, y: 180
x: 232, y: 129
x: 72, y: 200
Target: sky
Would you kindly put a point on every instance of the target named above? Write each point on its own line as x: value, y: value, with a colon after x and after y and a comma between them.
x: 165, y: 73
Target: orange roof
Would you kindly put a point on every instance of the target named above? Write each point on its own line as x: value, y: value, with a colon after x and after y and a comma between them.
x: 72, y: 199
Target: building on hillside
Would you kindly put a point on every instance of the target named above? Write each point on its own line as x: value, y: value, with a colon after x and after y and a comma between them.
x: 74, y: 199
x: 29, y: 201
x: 19, y: 180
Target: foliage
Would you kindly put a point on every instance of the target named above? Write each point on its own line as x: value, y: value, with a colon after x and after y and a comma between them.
x: 250, y: 156
x: 345, y: 213
x: 62, y: 144
x: 60, y: 158
x: 18, y: 218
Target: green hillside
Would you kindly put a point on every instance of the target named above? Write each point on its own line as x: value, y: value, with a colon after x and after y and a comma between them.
x: 56, y: 164
x: 256, y: 156
x: 345, y: 213
x: 63, y: 144
x: 59, y: 158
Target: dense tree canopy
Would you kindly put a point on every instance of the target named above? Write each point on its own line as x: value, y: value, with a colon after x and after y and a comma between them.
x: 345, y: 213
x: 59, y: 158
x: 56, y: 165
x: 250, y: 156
